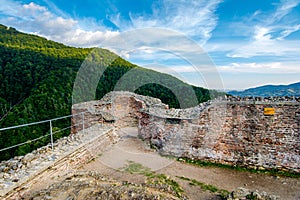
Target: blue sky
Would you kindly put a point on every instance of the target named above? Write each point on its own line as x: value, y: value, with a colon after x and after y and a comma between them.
x: 250, y: 42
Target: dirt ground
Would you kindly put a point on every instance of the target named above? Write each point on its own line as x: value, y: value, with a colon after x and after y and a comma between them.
x: 130, y: 148
x: 113, y: 163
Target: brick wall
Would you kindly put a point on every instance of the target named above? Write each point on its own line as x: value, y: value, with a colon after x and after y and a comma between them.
x: 236, y: 133
x: 119, y: 108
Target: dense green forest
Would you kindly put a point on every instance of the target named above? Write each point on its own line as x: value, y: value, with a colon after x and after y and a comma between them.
x: 37, y: 78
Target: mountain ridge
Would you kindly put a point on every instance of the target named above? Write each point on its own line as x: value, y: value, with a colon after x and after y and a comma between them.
x: 269, y: 90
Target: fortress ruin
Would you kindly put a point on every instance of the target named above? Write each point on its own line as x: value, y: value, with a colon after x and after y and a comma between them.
x: 257, y: 133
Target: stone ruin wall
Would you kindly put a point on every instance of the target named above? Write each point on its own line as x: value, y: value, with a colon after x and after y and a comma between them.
x: 235, y: 133
x: 230, y: 132
x: 123, y: 109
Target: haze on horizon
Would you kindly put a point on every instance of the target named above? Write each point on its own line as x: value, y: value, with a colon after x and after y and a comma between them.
x: 251, y: 43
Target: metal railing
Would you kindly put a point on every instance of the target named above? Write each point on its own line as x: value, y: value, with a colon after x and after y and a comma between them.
x: 47, y: 135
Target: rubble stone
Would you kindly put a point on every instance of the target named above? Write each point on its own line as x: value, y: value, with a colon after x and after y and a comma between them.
x: 19, y: 169
x: 245, y: 194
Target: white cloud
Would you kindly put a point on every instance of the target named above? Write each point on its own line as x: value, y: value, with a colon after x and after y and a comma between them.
x: 81, y: 38
x: 233, y: 68
x: 283, y: 9
x: 196, y: 18
x: 34, y: 7
x: 179, y: 69
x: 39, y: 20
x: 262, y: 34
x: 289, y: 30
x: 268, y: 47
x: 262, y: 68
x: 159, y: 47
x: 153, y: 40
x: 223, y: 46
x: 55, y: 9
x: 268, y: 38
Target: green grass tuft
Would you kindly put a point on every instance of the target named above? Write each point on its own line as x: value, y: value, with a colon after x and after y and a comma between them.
x: 273, y: 172
x: 137, y: 168
x: 220, y: 192
x: 153, y: 178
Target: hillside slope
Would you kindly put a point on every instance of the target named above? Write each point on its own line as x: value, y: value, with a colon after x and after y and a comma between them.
x: 270, y: 90
x: 37, y: 78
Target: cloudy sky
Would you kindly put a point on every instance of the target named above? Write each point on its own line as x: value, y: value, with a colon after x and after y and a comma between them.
x: 249, y: 42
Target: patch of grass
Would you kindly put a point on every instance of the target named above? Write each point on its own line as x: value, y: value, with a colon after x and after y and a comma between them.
x: 137, y: 168
x: 153, y: 178
x: 183, y: 178
x: 251, y: 197
x: 91, y: 160
x: 168, y: 157
x: 222, y: 193
x: 210, y: 188
x: 162, y: 179
x: 273, y: 172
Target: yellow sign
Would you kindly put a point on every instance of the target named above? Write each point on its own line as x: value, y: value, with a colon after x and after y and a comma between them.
x: 269, y: 111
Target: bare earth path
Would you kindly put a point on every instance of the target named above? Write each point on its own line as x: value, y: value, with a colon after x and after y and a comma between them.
x: 112, y: 163
x: 130, y: 148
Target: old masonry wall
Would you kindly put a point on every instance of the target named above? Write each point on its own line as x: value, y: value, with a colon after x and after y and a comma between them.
x: 236, y: 132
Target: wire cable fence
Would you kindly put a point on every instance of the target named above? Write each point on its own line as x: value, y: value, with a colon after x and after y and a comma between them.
x: 51, y: 133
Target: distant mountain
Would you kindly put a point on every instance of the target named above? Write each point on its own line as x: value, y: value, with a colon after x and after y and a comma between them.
x: 270, y: 90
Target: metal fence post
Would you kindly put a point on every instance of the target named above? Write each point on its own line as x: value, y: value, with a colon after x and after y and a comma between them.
x: 40, y: 122
x: 83, y: 122
x: 51, y: 134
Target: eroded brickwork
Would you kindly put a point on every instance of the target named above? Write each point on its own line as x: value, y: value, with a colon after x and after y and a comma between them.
x: 122, y: 109
x: 235, y: 132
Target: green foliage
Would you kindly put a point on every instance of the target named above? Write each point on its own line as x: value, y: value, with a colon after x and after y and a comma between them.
x: 153, y: 178
x: 222, y: 193
x: 273, y: 172
x: 137, y: 168
x: 37, y: 78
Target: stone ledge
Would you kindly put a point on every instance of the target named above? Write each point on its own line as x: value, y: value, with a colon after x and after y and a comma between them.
x: 35, y: 170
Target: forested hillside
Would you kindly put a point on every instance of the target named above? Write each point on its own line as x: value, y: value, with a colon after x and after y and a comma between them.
x: 270, y: 91
x: 36, y: 83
